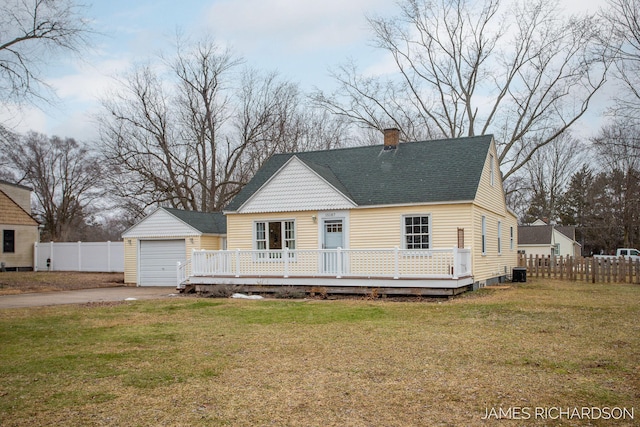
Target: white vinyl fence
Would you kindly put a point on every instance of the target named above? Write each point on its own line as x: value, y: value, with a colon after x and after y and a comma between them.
x: 79, y: 256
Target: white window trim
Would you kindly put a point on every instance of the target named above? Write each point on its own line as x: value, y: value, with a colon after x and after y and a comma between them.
x: 331, y: 215
x: 484, y: 235
x: 404, y: 234
x: 499, y: 237
x: 254, y: 240
x: 511, y: 238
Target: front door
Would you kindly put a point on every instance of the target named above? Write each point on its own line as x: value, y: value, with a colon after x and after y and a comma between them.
x: 333, y: 238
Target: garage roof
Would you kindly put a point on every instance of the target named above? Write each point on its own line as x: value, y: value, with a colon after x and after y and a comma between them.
x: 206, y: 222
x: 171, y: 222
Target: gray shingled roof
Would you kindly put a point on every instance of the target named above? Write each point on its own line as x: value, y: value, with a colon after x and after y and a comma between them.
x: 534, y: 234
x: 443, y: 170
x: 541, y: 234
x: 208, y: 223
x: 567, y: 230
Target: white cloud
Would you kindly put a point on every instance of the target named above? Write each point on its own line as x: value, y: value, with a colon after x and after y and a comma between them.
x: 85, y: 82
x: 79, y: 124
x: 298, y: 26
x: 23, y: 119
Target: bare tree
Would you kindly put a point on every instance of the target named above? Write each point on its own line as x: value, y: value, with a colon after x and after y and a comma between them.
x: 548, y: 175
x: 65, y: 177
x: 31, y: 31
x: 623, y: 17
x: 523, y: 72
x: 193, y: 136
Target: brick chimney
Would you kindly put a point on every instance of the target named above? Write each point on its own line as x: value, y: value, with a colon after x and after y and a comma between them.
x: 391, y: 138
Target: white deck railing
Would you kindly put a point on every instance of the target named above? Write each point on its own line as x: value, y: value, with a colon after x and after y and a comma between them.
x: 393, y: 263
x: 183, y: 273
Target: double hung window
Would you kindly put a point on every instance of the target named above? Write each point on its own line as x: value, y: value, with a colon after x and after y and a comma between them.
x: 8, y: 241
x: 275, y: 236
x: 416, y: 232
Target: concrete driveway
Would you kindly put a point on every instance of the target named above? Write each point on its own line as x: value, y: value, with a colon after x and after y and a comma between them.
x: 85, y: 295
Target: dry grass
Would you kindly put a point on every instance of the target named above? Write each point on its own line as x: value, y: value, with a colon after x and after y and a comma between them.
x: 189, y: 361
x: 16, y: 282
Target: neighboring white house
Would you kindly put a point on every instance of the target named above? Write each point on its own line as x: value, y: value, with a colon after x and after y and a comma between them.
x: 545, y: 239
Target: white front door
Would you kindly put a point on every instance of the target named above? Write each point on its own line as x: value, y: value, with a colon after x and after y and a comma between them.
x: 332, y: 238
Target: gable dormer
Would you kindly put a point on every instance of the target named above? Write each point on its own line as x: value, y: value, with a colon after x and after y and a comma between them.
x: 297, y: 186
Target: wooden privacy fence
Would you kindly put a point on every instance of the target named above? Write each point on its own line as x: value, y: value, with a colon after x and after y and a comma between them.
x: 601, y: 270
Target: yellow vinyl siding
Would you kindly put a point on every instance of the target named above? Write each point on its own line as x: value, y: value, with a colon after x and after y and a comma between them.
x: 491, y: 197
x: 492, y: 264
x: 130, y: 260
x: 382, y: 227
x: 241, y: 234
x: 191, y: 243
x: 211, y: 243
x: 490, y: 203
x: 206, y: 242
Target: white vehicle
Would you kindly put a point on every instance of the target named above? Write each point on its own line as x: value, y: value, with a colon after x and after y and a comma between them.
x: 627, y: 253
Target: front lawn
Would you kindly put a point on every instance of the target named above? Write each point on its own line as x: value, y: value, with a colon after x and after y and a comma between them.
x: 217, y: 362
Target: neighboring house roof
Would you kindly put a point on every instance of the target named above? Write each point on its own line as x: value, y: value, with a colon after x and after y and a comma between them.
x: 445, y: 170
x: 534, y: 234
x: 542, y: 234
x: 12, y: 213
x: 205, y: 222
x: 567, y: 230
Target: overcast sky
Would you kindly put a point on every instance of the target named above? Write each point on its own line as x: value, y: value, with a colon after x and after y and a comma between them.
x: 299, y: 38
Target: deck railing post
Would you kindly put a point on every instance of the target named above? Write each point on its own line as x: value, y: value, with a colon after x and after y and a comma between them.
x: 396, y: 263
x: 285, y: 254
x: 237, y: 262
x: 456, y: 263
x: 179, y: 275
x: 339, y: 263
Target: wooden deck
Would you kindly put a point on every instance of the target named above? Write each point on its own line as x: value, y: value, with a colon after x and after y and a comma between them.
x: 324, y: 285
x: 437, y: 272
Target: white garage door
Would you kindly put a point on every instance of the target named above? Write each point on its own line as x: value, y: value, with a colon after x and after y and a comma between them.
x: 158, y: 260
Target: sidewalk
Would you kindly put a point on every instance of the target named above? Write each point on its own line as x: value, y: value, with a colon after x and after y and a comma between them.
x: 85, y: 295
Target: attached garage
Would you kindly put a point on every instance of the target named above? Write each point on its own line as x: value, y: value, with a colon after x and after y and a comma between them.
x: 155, y: 245
x: 158, y: 260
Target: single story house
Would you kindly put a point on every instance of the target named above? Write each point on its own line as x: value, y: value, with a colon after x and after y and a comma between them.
x: 422, y: 216
x: 154, y: 246
x: 19, y: 230
x: 545, y: 240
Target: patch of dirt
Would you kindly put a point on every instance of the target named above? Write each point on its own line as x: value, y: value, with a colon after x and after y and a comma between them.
x: 95, y: 304
x: 16, y: 282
